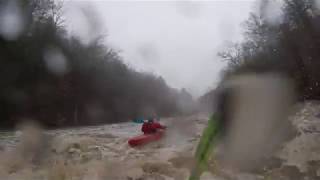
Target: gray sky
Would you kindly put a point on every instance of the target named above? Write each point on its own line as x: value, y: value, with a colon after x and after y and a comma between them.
x: 177, y: 40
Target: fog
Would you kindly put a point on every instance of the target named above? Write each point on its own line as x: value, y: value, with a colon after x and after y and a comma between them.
x: 177, y: 40
x: 69, y: 67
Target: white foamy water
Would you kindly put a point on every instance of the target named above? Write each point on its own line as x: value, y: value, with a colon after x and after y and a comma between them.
x: 106, y: 145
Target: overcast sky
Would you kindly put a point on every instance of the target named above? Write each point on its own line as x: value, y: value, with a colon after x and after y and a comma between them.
x: 177, y: 40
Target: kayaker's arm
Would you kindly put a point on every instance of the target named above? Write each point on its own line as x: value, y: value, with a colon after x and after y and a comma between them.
x: 158, y: 126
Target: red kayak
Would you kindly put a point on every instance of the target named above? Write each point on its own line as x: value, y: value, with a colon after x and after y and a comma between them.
x: 145, y: 138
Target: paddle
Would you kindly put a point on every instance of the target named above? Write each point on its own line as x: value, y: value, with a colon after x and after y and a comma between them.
x: 207, y: 142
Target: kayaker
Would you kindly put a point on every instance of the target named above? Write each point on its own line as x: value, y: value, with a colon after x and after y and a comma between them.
x: 150, y: 126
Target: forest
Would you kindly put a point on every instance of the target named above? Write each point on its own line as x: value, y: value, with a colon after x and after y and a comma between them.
x: 54, y: 78
x: 289, y: 44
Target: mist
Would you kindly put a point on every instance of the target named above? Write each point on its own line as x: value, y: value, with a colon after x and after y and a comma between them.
x: 162, y: 90
x: 177, y: 40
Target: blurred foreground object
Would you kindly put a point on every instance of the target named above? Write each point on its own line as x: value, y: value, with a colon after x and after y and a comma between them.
x: 251, y: 117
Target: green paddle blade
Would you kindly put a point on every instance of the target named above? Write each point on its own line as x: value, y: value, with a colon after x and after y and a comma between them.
x: 207, y: 142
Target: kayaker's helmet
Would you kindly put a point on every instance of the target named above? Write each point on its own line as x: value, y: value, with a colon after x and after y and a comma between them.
x: 150, y: 120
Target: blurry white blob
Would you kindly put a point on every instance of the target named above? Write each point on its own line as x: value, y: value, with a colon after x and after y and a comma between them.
x: 271, y: 11
x: 55, y: 61
x: 258, y: 113
x: 11, y: 21
x: 317, y: 3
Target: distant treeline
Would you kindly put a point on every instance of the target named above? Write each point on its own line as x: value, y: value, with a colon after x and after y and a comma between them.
x: 289, y: 44
x: 52, y: 77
